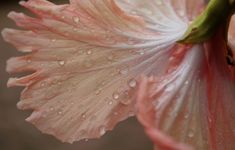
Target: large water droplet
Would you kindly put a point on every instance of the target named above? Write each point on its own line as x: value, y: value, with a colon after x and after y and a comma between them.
x: 126, y: 99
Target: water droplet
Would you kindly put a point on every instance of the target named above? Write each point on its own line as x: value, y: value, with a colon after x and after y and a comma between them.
x: 191, y: 134
x: 86, y: 140
x: 61, y: 62
x: 141, y: 52
x: 133, y: 12
x: 131, y: 113
x: 132, y: 83
x: 115, y: 95
x: 124, y: 71
x: 186, y: 82
x: 42, y: 84
x: 186, y: 116
x: 83, y: 116
x: 60, y: 112
x: 51, y: 108
x: 75, y: 29
x: 110, y: 102
x: 102, y: 130
x: 89, y: 52
x: 53, y: 40
x: 126, y: 99
x: 97, y: 92
x: 110, y: 57
x: 29, y: 61
x: 76, y: 19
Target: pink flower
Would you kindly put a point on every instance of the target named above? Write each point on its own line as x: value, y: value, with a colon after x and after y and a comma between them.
x: 87, y: 58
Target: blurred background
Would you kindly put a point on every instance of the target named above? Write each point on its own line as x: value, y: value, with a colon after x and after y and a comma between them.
x: 16, y: 134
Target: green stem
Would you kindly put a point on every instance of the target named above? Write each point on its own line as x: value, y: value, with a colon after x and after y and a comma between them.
x: 217, y: 13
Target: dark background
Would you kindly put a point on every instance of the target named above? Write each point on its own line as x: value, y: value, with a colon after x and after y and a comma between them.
x: 16, y: 134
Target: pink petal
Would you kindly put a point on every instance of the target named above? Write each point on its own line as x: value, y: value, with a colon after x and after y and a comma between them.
x: 194, y: 104
x: 86, y: 58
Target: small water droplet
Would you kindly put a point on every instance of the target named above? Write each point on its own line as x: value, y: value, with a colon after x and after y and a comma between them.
x: 133, y: 12
x: 191, y: 133
x: 131, y: 113
x: 124, y: 71
x: 115, y: 95
x: 186, y: 116
x: 61, y: 62
x: 60, y: 112
x: 102, y: 130
x: 84, y: 116
x: 42, y: 84
x: 110, y: 102
x: 29, y: 61
x: 76, y: 19
x: 51, y: 108
x: 110, y: 57
x: 186, y: 82
x: 132, y: 83
x: 75, y: 29
x: 89, y: 52
x: 53, y: 40
x: 141, y: 52
x: 86, y: 140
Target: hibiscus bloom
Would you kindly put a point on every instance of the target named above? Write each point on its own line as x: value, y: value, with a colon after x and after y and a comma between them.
x: 87, y: 58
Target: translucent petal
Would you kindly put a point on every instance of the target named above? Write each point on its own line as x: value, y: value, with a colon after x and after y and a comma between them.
x: 86, y: 58
x: 192, y: 104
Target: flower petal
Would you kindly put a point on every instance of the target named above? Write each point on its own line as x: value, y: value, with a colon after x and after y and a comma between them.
x: 193, y: 104
x: 86, y: 58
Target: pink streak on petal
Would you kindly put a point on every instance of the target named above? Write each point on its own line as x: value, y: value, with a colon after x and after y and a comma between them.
x: 145, y: 115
